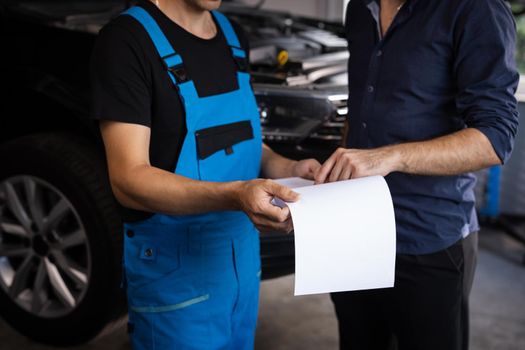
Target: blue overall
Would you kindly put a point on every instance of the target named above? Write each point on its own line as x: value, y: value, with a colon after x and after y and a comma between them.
x: 193, y: 281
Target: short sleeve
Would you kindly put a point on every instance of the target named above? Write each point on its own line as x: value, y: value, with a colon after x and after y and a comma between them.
x: 485, y: 69
x: 120, y: 85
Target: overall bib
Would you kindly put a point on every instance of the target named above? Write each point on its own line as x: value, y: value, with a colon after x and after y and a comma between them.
x: 193, y: 281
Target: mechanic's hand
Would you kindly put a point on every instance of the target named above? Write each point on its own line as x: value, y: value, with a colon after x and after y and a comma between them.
x: 346, y: 164
x: 255, y: 198
x: 306, y: 168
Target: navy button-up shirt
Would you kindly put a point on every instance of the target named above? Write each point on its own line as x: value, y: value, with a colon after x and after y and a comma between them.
x: 443, y: 65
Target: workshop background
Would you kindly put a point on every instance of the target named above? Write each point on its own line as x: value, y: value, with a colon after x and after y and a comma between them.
x: 288, y: 322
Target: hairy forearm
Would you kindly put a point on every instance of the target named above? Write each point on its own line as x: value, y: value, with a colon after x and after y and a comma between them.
x: 457, y: 153
x: 151, y: 189
x: 275, y: 166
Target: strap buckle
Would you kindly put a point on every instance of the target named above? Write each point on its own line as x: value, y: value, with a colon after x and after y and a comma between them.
x: 174, y: 65
x: 239, y: 55
x: 179, y: 72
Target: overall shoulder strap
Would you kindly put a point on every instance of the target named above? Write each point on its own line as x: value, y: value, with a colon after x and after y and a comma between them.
x: 171, y: 59
x: 231, y: 38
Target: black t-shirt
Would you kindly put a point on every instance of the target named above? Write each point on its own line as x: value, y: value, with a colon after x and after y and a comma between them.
x: 130, y: 84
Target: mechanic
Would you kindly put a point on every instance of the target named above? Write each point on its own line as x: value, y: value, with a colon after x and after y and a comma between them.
x: 182, y: 135
x: 431, y: 98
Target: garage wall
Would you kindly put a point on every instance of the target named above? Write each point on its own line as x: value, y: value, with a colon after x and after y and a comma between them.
x: 327, y: 9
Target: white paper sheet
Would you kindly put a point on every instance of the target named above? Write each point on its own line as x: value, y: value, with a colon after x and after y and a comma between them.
x: 345, y: 235
x: 295, y: 182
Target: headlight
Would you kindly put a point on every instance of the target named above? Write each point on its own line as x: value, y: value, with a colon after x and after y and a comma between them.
x: 292, y: 115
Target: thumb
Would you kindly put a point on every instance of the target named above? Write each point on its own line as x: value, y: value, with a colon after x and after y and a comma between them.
x: 284, y: 193
x: 314, y: 166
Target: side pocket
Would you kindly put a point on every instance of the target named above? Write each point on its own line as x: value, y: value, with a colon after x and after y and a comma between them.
x: 455, y: 255
x: 449, y: 260
x: 148, y: 259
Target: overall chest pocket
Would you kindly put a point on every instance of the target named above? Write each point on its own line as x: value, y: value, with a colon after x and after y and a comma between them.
x: 224, y: 153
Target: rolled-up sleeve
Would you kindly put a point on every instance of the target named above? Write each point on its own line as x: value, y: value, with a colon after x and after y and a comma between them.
x: 485, y: 69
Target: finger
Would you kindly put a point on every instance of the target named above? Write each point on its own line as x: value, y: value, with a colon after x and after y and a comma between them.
x: 264, y: 229
x: 289, y: 225
x: 313, y: 168
x: 273, y: 212
x: 283, y: 192
x: 314, y: 165
x: 336, y: 171
x: 346, y: 173
x: 285, y: 227
x: 310, y: 175
x: 269, y: 226
x: 326, y: 168
x: 266, y: 225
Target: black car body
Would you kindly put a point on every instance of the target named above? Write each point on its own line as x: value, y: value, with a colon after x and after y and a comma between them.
x: 60, y: 234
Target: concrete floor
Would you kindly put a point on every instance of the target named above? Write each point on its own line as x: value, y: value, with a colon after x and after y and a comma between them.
x: 287, y: 322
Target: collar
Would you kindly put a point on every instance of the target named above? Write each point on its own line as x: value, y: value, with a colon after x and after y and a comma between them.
x: 409, y: 3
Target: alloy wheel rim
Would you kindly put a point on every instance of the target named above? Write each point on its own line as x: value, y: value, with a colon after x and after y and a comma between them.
x: 45, y: 261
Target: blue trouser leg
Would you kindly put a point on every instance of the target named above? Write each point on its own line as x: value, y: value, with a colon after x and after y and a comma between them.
x: 205, y: 296
x: 244, y: 318
x: 233, y: 317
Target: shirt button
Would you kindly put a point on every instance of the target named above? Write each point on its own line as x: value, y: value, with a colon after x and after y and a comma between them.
x: 370, y: 89
x: 130, y: 233
x: 148, y: 252
x: 364, y: 125
x: 379, y: 53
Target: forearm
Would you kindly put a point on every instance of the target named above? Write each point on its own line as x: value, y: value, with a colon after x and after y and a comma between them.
x: 151, y: 189
x: 275, y: 166
x: 457, y: 153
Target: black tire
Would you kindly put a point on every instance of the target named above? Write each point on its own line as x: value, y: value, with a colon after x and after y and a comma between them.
x: 77, y: 169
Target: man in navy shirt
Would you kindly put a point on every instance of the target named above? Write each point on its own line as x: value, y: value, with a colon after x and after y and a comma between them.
x: 431, y: 96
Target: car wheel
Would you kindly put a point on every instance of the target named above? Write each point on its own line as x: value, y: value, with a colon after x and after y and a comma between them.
x: 60, y: 241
